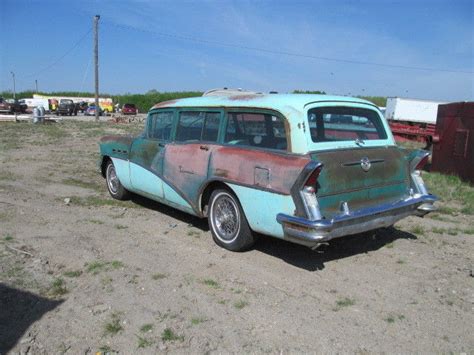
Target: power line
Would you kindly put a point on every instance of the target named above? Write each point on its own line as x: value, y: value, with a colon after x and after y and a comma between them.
x: 60, y: 58
x: 290, y: 54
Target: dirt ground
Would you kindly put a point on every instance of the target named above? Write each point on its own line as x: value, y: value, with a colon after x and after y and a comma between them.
x: 82, y: 273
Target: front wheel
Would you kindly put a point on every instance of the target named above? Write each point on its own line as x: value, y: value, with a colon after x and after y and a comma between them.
x: 114, y: 185
x: 227, y: 221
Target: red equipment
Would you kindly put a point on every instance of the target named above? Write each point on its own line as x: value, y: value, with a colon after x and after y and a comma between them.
x: 453, y: 149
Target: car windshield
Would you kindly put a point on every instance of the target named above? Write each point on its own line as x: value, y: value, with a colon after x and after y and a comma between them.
x: 66, y: 101
x: 328, y: 124
x: 129, y: 106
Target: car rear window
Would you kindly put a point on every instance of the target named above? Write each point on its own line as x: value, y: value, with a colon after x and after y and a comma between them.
x: 328, y: 124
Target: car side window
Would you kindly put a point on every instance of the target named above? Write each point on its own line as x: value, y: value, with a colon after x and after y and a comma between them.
x: 161, y: 125
x: 198, y: 125
x: 262, y: 130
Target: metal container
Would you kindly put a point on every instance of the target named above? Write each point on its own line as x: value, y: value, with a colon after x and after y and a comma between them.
x: 453, y: 148
x: 38, y: 114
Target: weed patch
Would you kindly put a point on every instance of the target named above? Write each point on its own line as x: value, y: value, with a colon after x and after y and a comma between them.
x: 98, y: 266
x: 417, y: 230
x: 241, y: 304
x: 343, y: 303
x: 198, y: 320
x: 144, y: 342
x: 145, y: 328
x: 169, y: 335
x: 392, y: 318
x: 211, y: 283
x: 58, y: 288
x: 73, y: 273
x: 114, y: 326
x: 82, y: 183
x: 193, y: 233
x: 97, y: 201
x: 451, y: 189
x: 120, y: 226
x: 158, y: 276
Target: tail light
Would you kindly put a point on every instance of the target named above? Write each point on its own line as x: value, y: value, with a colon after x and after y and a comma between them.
x: 416, y: 165
x: 418, y: 160
x: 308, y: 194
x: 310, y: 184
x: 422, y: 162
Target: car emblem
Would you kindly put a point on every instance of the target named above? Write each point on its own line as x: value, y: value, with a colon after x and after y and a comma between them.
x: 365, y: 164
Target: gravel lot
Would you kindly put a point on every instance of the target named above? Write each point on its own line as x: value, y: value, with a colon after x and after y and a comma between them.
x: 81, y: 273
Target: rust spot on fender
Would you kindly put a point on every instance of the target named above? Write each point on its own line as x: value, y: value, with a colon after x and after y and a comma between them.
x: 221, y: 172
x: 117, y: 138
x: 243, y: 97
x: 164, y: 104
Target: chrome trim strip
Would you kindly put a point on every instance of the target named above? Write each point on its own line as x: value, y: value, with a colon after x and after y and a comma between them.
x: 373, y: 161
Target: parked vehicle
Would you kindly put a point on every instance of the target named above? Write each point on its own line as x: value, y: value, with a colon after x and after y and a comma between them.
x: 23, y: 107
x: 91, y: 111
x: 129, y: 109
x: 11, y: 106
x: 412, y: 119
x: 107, y: 106
x: 305, y: 168
x: 82, y: 106
x: 32, y: 103
x: 66, y: 107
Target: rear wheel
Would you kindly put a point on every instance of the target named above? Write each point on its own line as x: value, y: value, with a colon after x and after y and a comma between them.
x: 114, y: 185
x: 227, y: 221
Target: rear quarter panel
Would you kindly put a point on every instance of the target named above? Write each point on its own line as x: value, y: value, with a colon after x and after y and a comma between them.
x: 262, y: 181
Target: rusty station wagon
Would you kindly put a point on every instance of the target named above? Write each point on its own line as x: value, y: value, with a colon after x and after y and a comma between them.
x: 305, y: 168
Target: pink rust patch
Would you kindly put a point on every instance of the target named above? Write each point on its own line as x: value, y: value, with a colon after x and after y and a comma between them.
x: 240, y: 163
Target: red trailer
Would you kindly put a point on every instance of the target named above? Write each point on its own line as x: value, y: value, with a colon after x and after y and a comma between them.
x: 453, y: 148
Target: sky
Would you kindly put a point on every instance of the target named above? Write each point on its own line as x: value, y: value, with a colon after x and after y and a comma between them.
x: 419, y: 49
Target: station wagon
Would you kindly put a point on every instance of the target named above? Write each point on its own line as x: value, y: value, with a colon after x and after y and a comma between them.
x: 304, y: 168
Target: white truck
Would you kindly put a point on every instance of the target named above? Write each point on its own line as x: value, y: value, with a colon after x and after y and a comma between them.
x: 412, y: 119
x: 411, y: 110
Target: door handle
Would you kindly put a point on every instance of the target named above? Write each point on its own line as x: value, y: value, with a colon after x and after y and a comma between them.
x: 204, y: 147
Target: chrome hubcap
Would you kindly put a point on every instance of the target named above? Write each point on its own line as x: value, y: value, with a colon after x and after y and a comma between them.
x: 226, y: 217
x: 112, y: 179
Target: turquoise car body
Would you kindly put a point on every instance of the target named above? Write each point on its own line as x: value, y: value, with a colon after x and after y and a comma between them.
x: 361, y: 184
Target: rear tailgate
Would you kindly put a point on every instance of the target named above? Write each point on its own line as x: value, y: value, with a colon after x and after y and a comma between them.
x: 344, y: 179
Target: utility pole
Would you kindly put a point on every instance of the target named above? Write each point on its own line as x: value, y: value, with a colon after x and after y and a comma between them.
x: 14, y: 96
x: 36, y: 84
x: 96, y: 65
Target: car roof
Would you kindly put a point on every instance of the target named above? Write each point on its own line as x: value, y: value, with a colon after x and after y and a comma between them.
x: 279, y: 102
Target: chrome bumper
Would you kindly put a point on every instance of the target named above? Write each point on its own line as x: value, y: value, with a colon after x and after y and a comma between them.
x: 310, y: 233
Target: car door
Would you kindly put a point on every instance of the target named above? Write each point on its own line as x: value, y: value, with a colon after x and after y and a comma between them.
x: 186, y: 160
x: 146, y: 155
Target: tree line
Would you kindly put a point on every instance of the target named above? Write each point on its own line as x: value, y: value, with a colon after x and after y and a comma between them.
x: 145, y: 101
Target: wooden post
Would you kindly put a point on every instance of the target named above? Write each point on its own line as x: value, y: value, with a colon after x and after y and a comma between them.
x: 96, y: 65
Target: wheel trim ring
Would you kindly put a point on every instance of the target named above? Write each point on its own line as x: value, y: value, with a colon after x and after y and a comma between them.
x: 112, y: 179
x: 228, y: 198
